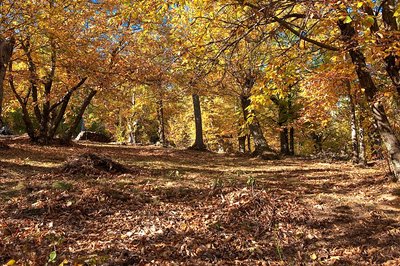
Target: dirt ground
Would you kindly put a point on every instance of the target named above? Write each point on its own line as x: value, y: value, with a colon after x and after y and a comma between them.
x: 180, y: 207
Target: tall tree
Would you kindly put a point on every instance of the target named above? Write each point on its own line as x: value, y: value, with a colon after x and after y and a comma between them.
x: 6, y: 50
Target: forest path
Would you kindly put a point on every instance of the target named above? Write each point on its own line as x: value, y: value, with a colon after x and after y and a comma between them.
x: 195, y: 208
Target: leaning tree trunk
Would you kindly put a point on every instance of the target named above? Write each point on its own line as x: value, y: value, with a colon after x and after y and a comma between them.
x: 68, y: 135
x: 389, y: 138
x: 25, y: 113
x: 261, y: 146
x: 199, y: 142
x: 6, y: 50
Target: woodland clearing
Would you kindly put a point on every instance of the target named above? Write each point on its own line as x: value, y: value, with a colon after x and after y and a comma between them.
x: 181, y: 207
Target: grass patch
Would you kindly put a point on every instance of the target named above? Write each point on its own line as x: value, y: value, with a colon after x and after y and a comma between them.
x: 61, y: 185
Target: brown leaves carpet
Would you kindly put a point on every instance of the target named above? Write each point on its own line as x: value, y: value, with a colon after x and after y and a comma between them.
x: 178, y: 207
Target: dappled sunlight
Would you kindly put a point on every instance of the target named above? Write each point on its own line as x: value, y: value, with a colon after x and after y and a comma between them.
x: 166, y: 208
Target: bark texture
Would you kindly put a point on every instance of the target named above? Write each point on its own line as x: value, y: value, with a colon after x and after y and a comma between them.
x: 389, y: 138
x: 199, y: 142
x: 6, y: 50
x: 353, y: 126
x: 161, y: 122
x: 261, y: 147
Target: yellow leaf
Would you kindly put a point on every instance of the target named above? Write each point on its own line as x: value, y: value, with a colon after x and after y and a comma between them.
x: 10, y: 262
x: 397, y: 13
x: 360, y: 4
x: 313, y: 256
x: 347, y: 20
x: 65, y: 261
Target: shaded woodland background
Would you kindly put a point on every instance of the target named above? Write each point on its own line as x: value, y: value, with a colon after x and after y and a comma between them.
x: 287, y: 77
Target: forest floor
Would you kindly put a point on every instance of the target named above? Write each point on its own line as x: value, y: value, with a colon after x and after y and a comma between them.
x: 180, y: 207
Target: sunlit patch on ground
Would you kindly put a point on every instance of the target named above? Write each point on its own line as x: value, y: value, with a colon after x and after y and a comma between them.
x: 179, y: 206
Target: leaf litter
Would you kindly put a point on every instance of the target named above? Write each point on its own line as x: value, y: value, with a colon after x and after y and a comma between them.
x: 293, y: 212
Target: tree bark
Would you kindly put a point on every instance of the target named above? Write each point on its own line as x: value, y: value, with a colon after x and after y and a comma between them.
x: 284, y: 140
x: 64, y: 101
x: 2, y: 77
x: 284, y: 110
x: 260, y: 143
x: 199, y: 142
x: 318, y: 139
x: 291, y: 141
x: 375, y: 141
x: 248, y: 137
x: 25, y: 113
x: 362, y: 154
x: 68, y: 136
x: 161, y: 124
x: 242, y: 144
x: 389, y: 138
x: 6, y: 50
x: 353, y: 126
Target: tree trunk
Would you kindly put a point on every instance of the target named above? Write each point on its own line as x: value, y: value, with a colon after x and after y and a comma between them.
x: 318, y: 139
x: 291, y: 141
x: 68, y: 136
x: 242, y: 144
x: 260, y: 144
x: 133, y: 132
x: 199, y: 142
x: 389, y: 138
x: 61, y: 106
x: 362, y: 155
x: 161, y: 124
x: 2, y: 77
x: 284, y: 140
x: 25, y: 113
x: 353, y: 126
x: 6, y: 50
x: 375, y: 142
x: 392, y: 60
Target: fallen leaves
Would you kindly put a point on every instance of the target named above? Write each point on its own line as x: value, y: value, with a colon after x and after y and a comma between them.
x: 287, y: 216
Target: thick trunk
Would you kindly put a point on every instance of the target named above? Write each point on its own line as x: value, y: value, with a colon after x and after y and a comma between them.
x: 389, y: 138
x: 199, y: 142
x: 284, y: 139
x: 375, y: 142
x: 161, y: 124
x: 242, y: 144
x: 291, y: 141
x: 28, y: 123
x: 353, y: 126
x: 260, y: 144
x: 6, y: 50
x: 68, y: 136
